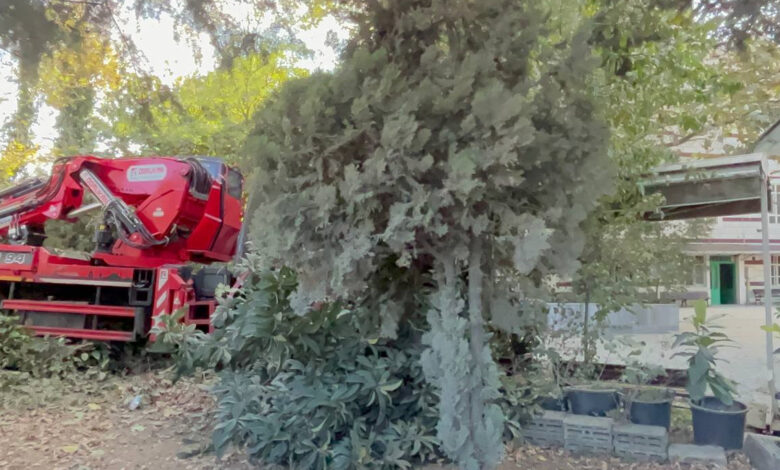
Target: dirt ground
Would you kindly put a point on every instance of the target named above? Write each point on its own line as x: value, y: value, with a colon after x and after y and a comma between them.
x: 52, y: 425
x: 65, y: 426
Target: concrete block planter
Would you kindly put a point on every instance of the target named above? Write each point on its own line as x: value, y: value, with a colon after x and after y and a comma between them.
x: 640, y: 442
x: 587, y: 434
x: 763, y: 451
x: 546, y: 430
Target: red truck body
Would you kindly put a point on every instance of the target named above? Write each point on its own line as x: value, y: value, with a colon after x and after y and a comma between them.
x: 160, y: 215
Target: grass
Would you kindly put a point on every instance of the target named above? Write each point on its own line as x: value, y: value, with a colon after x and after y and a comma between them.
x: 681, y: 428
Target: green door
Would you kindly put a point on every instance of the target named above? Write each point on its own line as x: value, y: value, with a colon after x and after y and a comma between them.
x: 714, y: 283
x: 728, y: 284
x: 723, y: 282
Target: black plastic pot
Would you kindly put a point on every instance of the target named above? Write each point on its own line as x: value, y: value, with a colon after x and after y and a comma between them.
x: 553, y: 404
x: 715, y: 423
x: 591, y: 401
x: 651, y: 412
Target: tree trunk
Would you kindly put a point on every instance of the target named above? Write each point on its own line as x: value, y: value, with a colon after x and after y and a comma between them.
x: 477, y: 324
x: 459, y: 362
x: 585, y: 333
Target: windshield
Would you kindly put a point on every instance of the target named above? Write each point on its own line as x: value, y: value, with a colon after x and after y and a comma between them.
x: 213, y: 166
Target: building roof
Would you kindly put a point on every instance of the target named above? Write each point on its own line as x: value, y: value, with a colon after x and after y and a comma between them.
x: 717, y: 248
x: 707, y: 187
x: 769, y: 142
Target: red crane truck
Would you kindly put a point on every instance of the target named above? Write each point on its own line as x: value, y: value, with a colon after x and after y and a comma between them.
x: 160, y: 215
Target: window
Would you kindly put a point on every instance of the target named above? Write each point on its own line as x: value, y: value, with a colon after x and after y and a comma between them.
x: 774, y: 211
x: 234, y: 183
x: 775, y: 270
x: 213, y: 166
x: 699, y: 272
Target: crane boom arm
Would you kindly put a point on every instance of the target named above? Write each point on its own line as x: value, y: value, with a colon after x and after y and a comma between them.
x: 161, y: 209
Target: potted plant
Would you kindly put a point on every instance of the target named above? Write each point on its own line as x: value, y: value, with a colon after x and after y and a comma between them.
x: 643, y: 403
x: 597, y: 399
x: 590, y: 397
x: 586, y: 398
x: 553, y: 400
x: 551, y: 396
x: 582, y: 391
x: 718, y: 419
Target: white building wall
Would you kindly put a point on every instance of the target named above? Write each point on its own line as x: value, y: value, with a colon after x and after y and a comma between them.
x: 737, y: 236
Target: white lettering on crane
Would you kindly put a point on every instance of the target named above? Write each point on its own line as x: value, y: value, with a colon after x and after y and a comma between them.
x: 139, y: 173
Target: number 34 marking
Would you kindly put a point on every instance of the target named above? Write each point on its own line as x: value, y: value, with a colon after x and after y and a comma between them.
x: 15, y: 258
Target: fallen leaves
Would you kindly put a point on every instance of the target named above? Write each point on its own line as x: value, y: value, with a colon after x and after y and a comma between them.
x: 70, y: 449
x: 83, y: 426
x: 93, y: 428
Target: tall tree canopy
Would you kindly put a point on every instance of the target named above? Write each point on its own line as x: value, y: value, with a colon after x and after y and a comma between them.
x: 667, y: 80
x: 39, y: 34
x: 454, y: 136
x: 79, y: 58
x: 657, y: 80
x: 208, y: 115
x: 741, y: 20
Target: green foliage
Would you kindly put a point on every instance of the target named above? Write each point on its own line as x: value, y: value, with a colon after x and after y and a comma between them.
x: 657, y: 80
x: 204, y: 115
x: 774, y: 328
x: 452, y: 133
x: 751, y: 105
x: 64, y: 235
x: 701, y: 348
x: 628, y: 260
x: 28, y: 31
x: 34, y: 32
x: 445, y: 363
x: 638, y: 373
x: 740, y: 20
x: 536, y: 374
x: 393, y: 169
x: 520, y: 397
x: 44, y: 357
x: 254, y: 30
x: 639, y: 376
x: 310, y: 391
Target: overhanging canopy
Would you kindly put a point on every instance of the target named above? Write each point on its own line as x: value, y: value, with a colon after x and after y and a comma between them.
x: 708, y: 187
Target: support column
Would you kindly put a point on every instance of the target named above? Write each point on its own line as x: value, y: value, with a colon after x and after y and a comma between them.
x: 768, y: 319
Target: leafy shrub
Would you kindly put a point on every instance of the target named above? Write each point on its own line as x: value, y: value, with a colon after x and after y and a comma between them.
x: 701, y: 348
x: 15, y: 342
x: 312, y: 391
x: 43, y: 357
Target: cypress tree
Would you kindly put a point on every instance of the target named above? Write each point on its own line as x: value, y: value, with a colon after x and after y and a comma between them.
x: 455, y: 138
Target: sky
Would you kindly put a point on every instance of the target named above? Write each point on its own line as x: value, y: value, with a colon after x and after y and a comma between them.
x: 166, y: 57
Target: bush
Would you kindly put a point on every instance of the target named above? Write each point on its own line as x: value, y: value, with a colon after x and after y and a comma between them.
x: 313, y: 391
x: 45, y: 357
